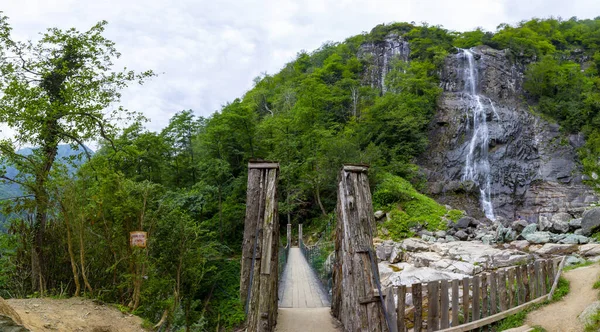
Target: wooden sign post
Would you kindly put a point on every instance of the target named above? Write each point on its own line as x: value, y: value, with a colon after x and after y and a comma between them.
x: 260, y: 249
x: 356, y: 298
x: 138, y: 239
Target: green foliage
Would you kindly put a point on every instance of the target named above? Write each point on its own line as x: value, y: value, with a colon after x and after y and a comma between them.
x: 594, y: 324
x: 408, y: 207
x: 512, y: 321
x: 455, y: 215
x: 562, y: 289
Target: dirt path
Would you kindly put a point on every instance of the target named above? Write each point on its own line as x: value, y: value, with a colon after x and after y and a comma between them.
x: 562, y: 316
x: 306, y: 320
x: 73, y: 315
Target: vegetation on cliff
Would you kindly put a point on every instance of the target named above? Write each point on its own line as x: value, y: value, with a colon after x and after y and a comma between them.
x: 186, y: 185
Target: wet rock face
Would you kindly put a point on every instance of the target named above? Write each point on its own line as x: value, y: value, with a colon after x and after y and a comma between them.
x: 534, y: 168
x: 380, y: 57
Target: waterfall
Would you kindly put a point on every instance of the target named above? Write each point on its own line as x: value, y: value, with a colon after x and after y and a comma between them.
x: 477, y: 165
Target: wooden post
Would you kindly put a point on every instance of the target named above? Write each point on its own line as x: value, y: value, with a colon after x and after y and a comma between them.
x: 356, y: 300
x: 289, y: 235
x: 401, y: 327
x: 260, y: 249
x: 300, y: 239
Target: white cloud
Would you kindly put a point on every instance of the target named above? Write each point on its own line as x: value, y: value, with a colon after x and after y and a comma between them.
x: 209, y: 51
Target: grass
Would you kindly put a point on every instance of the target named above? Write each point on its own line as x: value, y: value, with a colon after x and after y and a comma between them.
x: 594, y: 325
x: 518, y: 319
x: 576, y: 266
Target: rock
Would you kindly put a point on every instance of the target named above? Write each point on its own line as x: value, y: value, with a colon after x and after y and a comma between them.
x: 379, y: 215
x: 531, y: 228
x: 440, y: 234
x: 488, y: 239
x: 573, y: 260
x: 428, y: 238
x: 586, y: 316
x: 544, y: 224
x: 412, y: 275
x: 575, y: 239
x: 421, y: 259
x: 556, y: 249
x: 457, y: 267
x: 575, y: 224
x: 384, y: 250
x: 519, y: 225
x: 450, y: 238
x: 520, y: 245
x: 560, y: 227
x: 504, y: 234
x: 538, y: 237
x: 461, y: 235
x: 589, y: 250
x: 555, y: 238
x: 477, y: 253
x: 414, y: 245
x: 562, y: 217
x: 578, y: 231
x: 425, y: 232
x: 590, y: 221
x: 465, y: 222
x: 396, y: 255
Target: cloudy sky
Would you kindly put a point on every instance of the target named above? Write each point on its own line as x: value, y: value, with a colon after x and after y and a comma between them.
x: 208, y: 51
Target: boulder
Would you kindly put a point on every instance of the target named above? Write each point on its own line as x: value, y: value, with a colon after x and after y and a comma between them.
x: 413, y: 244
x: 561, y: 217
x: 573, y: 260
x: 519, y: 225
x: 465, y: 222
x: 531, y: 228
x: 587, y: 315
x: 421, y: 259
x: 556, y: 249
x: 384, y: 250
x: 488, y: 239
x: 590, y: 221
x: 396, y: 255
x: 461, y: 235
x: 440, y: 234
x: 575, y: 239
x: 457, y: 267
x: 10, y: 321
x: 538, y: 237
x: 411, y: 275
x: 450, y: 238
x: 544, y: 224
x: 520, y: 245
x: 575, y: 224
x: 379, y: 215
x: 428, y: 238
x: 589, y: 250
x: 560, y: 227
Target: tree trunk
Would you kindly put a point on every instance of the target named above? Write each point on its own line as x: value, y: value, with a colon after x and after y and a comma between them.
x: 71, y: 254
x: 260, y: 249
x: 318, y: 198
x: 355, y: 300
x: 82, y: 258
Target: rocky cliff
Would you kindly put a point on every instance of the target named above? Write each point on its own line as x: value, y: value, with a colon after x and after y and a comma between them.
x: 485, y: 141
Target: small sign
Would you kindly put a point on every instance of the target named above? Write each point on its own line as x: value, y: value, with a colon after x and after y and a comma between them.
x: 137, y: 239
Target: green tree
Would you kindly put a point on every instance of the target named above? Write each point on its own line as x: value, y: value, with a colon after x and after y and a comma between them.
x: 54, y: 91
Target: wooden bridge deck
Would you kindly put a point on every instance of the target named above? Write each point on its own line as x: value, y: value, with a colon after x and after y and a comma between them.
x: 299, y: 286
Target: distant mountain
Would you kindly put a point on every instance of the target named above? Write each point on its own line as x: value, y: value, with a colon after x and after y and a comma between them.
x: 65, y: 151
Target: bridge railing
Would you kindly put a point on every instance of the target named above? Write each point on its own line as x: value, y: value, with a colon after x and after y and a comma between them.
x: 473, y: 302
x: 283, y: 258
x: 321, y: 258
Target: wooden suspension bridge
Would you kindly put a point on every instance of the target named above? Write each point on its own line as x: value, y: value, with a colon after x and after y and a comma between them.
x: 281, y: 292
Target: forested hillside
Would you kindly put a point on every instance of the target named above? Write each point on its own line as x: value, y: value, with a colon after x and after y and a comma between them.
x: 186, y: 185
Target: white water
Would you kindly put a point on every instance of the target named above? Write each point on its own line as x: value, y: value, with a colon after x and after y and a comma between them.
x: 477, y: 165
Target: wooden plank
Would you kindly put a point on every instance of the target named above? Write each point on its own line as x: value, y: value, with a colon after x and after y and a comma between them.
x: 532, y: 286
x: 555, y: 283
x: 417, y: 294
x: 519, y: 286
x: 444, y: 305
x: 263, y: 165
x: 494, y: 318
x: 465, y: 285
x: 433, y: 297
x: 455, y: 303
x: 502, y: 290
x: 538, y: 278
x: 476, y: 297
x: 484, y: 295
x: 389, y: 307
x: 510, y: 284
x: 400, y: 308
x: 543, y: 277
x: 358, y: 168
x: 493, y: 293
x: 525, y: 280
